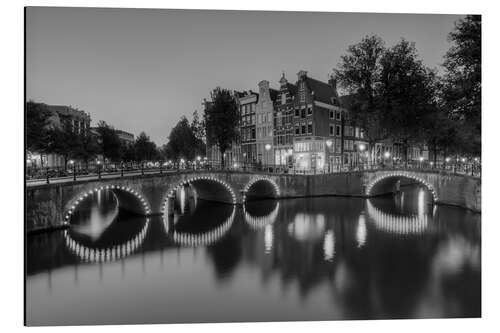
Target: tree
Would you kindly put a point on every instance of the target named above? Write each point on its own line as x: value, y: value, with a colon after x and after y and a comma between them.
x: 110, y: 144
x: 221, y: 120
x: 37, y: 121
x: 407, y: 93
x: 198, y: 126
x: 144, y: 148
x: 461, y: 91
x: 86, y: 148
x: 182, y: 142
x: 64, y: 142
x: 359, y: 73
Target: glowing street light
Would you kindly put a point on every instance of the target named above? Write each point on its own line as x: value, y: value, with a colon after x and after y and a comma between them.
x: 328, y: 143
x: 198, y: 158
x: 182, y: 161
x: 387, y: 154
x: 464, y: 159
x: 362, y: 147
x: 447, y: 159
x: 420, y: 158
x: 267, y: 146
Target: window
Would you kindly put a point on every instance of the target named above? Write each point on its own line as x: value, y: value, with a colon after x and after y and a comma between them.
x: 283, y: 98
x: 309, y: 111
x: 253, y: 133
x: 303, y: 129
x: 332, y: 114
x: 337, y: 115
x: 303, y: 113
x: 337, y: 130
x: 309, y: 128
x: 297, y: 129
x: 331, y: 130
x: 296, y: 112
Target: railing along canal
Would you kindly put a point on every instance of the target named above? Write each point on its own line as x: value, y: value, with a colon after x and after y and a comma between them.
x: 74, y: 172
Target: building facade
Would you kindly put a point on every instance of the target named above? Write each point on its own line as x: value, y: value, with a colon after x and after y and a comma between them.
x: 247, y: 104
x: 283, y: 123
x: 317, y: 125
x: 264, y: 123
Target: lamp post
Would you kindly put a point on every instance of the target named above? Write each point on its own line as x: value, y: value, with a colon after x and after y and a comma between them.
x: 361, y: 148
x: 420, y: 159
x: 387, y: 155
x: 74, y: 169
x: 99, y: 169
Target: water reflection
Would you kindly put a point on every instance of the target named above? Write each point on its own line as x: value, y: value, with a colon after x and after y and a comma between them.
x: 298, y: 259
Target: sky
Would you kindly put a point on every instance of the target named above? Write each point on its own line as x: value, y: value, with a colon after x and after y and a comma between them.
x: 142, y: 69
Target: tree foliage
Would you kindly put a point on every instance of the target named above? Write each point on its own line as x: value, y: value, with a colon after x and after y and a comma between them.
x: 407, y: 93
x: 109, y: 142
x: 461, y: 90
x: 185, y: 140
x: 145, y: 149
x: 37, y: 121
x: 221, y: 120
x: 359, y: 73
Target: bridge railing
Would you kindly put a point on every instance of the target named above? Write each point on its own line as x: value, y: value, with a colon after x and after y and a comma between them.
x: 73, y: 172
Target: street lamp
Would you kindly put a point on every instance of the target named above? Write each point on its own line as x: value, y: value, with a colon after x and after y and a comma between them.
x: 420, y: 158
x: 267, y: 146
x: 387, y: 154
x: 74, y: 169
x: 464, y: 159
x: 447, y: 159
x: 99, y: 169
x: 328, y: 143
x: 198, y: 158
x: 362, y: 147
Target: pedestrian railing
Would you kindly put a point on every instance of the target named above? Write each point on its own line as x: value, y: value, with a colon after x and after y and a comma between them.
x: 75, y: 172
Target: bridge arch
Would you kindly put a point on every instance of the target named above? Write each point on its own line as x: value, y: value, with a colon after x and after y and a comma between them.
x: 259, y: 188
x: 205, y: 187
x: 395, y: 175
x: 123, y: 194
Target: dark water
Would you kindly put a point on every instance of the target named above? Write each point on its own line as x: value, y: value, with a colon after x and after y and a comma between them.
x: 299, y: 259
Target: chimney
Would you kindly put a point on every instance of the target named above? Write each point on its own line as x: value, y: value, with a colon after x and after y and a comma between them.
x: 283, y: 80
x: 302, y: 74
x: 333, y: 81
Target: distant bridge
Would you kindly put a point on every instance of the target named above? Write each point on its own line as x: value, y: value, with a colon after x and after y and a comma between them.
x: 53, y: 204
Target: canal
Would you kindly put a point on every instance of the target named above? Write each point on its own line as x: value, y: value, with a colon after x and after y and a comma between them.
x: 319, y: 258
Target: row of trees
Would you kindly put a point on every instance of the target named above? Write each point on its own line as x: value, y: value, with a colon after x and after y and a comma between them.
x: 46, y: 138
x: 393, y: 95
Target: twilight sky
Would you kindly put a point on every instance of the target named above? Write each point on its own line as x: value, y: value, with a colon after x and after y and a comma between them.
x: 142, y: 69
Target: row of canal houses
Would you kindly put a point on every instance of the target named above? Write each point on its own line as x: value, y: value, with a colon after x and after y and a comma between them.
x: 303, y: 125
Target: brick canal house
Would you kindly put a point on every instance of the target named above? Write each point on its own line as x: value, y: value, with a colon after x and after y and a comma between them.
x: 283, y: 123
x: 247, y: 104
x: 264, y: 116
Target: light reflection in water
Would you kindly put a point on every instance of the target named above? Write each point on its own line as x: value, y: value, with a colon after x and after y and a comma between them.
x: 361, y: 230
x: 329, y: 245
x: 307, y: 226
x: 268, y: 238
x: 298, y: 261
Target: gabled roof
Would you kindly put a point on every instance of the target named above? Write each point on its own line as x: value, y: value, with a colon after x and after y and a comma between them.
x: 323, y: 92
x: 292, y: 88
x: 273, y: 93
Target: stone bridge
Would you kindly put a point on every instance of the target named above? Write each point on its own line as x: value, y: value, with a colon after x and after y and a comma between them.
x: 51, y: 205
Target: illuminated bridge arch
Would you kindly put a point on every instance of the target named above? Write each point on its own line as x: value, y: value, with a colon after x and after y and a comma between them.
x: 259, y: 222
x: 395, y: 175
x: 112, y: 253
x: 261, y: 187
x: 204, y: 238
x: 123, y: 194
x: 206, y: 188
x: 397, y: 224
